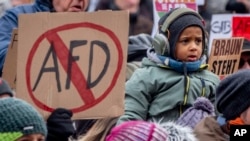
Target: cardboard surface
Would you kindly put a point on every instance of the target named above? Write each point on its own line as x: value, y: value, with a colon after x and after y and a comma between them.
x: 75, y: 61
x: 10, y: 64
x: 225, y: 56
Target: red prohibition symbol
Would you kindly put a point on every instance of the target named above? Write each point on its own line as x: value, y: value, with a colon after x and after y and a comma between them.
x: 62, y: 53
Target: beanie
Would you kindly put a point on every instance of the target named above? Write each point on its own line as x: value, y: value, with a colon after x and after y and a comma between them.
x: 233, y: 94
x: 5, y: 88
x: 137, y: 131
x: 246, y: 46
x: 201, y: 108
x: 178, y: 25
x: 18, y: 118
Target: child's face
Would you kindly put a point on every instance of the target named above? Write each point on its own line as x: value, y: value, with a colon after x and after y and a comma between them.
x: 32, y: 137
x: 189, y: 45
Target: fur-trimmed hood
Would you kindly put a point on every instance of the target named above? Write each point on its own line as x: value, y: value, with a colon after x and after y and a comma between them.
x: 178, y: 133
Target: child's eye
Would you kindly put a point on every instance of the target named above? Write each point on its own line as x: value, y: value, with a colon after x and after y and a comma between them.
x: 184, y: 41
x: 198, y: 41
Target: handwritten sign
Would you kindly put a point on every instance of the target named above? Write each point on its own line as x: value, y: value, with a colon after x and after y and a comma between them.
x: 10, y: 64
x: 73, y: 60
x: 225, y: 56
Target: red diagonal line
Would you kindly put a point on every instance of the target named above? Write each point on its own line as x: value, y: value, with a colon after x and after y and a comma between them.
x: 77, y: 77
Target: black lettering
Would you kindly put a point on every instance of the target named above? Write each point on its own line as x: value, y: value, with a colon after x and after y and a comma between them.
x: 49, y: 69
x: 234, y: 62
x: 228, y: 47
x: 105, y: 48
x: 214, y: 67
x: 237, y: 46
x: 71, y: 58
x: 229, y: 65
x: 219, y: 68
x: 224, y: 67
x: 216, y: 47
x: 222, y: 47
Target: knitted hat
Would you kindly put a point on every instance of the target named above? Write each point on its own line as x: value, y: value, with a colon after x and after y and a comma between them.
x: 137, y: 131
x: 5, y: 88
x: 233, y: 94
x: 246, y: 46
x: 18, y: 118
x: 201, y: 108
x: 178, y: 25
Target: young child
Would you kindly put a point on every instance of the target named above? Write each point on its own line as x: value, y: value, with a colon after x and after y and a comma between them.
x: 19, y: 121
x: 174, y: 74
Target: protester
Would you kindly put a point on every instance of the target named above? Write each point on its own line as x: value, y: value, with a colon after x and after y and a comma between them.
x: 141, y: 13
x: 245, y: 56
x: 20, y: 121
x: 10, y: 20
x: 233, y: 102
x: 201, y: 108
x: 172, y: 77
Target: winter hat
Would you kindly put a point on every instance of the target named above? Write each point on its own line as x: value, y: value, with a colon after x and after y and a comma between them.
x: 233, y: 94
x: 137, y: 131
x: 177, y: 132
x: 246, y: 46
x: 178, y: 25
x: 201, y: 108
x: 18, y: 118
x: 5, y: 88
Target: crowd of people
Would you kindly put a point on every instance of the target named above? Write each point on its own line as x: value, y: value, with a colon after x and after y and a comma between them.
x: 170, y: 95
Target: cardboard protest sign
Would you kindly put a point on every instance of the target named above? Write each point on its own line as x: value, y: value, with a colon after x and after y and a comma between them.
x: 225, y: 56
x: 10, y: 64
x: 160, y: 7
x: 229, y: 25
x: 73, y: 60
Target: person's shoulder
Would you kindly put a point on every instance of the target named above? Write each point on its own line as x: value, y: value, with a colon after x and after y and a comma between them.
x: 21, y: 9
x: 206, y: 74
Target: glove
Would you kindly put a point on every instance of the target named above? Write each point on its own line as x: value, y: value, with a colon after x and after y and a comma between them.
x: 59, y: 124
x: 138, y: 46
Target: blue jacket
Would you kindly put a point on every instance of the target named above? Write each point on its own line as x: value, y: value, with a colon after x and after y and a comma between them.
x: 10, y: 21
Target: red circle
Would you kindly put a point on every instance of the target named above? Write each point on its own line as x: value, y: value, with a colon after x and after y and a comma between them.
x: 68, y: 27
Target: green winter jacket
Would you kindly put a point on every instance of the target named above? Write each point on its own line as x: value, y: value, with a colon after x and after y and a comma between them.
x: 158, y: 94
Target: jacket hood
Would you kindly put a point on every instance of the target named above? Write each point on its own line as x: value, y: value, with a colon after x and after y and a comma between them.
x: 44, y: 5
x: 178, y: 133
x: 147, y: 62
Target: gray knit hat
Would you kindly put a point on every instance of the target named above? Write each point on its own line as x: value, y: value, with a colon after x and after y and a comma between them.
x: 201, y: 108
x: 18, y: 118
x: 233, y: 94
x: 178, y: 25
x: 5, y: 88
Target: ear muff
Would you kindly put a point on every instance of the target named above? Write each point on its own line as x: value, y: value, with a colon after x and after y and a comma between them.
x: 160, y: 41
